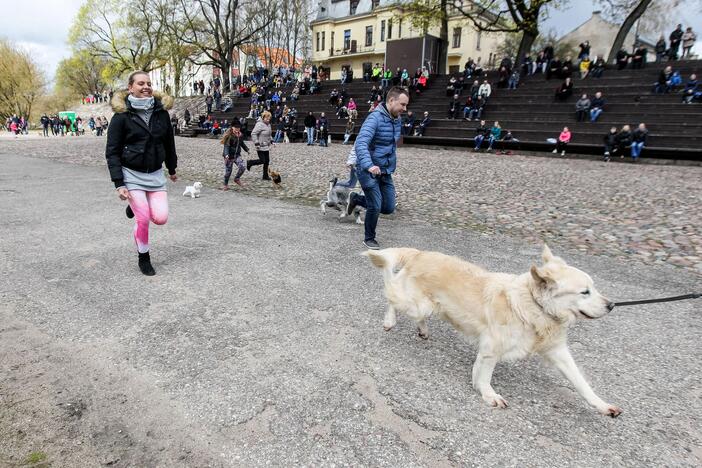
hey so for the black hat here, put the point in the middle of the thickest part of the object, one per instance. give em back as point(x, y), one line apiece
point(236, 124)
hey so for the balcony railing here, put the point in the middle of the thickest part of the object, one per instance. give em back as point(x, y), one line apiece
point(351, 51)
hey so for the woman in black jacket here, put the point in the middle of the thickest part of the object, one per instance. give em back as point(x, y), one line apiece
point(139, 141)
point(610, 140)
point(621, 141)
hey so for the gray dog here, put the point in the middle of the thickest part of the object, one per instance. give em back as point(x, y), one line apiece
point(338, 198)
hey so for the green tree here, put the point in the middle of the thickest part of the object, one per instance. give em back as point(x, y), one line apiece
point(22, 82)
point(82, 74)
point(126, 32)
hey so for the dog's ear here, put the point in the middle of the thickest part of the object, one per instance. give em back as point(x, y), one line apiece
point(541, 275)
point(547, 255)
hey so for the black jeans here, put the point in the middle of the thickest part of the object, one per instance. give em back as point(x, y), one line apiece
point(263, 158)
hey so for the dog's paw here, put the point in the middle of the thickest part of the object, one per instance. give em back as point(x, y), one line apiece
point(495, 400)
point(610, 410)
point(423, 335)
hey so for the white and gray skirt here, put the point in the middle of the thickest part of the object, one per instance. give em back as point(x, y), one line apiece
point(146, 181)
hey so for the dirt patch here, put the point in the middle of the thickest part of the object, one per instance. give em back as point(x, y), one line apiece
point(59, 409)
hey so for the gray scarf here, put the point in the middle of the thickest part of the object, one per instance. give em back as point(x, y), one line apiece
point(144, 107)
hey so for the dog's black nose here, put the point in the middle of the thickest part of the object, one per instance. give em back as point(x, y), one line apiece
point(610, 306)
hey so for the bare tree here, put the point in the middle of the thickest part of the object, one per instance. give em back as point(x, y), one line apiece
point(216, 28)
point(509, 16)
point(177, 53)
point(626, 26)
point(506, 16)
point(649, 16)
point(284, 29)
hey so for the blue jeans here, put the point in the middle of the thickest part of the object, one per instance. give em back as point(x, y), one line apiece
point(278, 136)
point(636, 148)
point(353, 179)
point(310, 135)
point(491, 140)
point(595, 114)
point(378, 197)
point(479, 140)
point(475, 113)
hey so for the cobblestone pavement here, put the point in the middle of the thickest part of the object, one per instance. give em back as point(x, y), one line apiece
point(649, 213)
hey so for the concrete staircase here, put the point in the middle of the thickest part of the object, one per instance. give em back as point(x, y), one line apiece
point(531, 113)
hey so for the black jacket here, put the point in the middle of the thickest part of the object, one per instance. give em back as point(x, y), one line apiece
point(131, 144)
point(623, 138)
point(597, 102)
point(610, 139)
point(310, 121)
point(233, 147)
point(639, 135)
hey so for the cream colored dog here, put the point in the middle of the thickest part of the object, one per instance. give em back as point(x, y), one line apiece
point(509, 316)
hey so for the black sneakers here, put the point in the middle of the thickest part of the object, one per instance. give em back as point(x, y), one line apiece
point(145, 264)
point(130, 213)
point(372, 244)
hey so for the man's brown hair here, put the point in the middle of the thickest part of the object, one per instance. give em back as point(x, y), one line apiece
point(395, 93)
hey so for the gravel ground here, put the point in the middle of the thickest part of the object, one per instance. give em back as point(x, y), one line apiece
point(260, 341)
point(649, 213)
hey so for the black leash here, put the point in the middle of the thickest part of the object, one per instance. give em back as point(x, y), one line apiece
point(662, 299)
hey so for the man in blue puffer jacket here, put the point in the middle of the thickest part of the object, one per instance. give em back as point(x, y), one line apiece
point(376, 153)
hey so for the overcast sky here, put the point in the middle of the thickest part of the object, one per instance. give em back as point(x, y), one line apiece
point(41, 26)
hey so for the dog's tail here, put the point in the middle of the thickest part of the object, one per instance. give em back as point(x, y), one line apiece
point(391, 261)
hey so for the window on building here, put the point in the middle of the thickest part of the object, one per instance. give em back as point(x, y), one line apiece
point(323, 33)
point(382, 30)
point(369, 36)
point(477, 41)
point(353, 5)
point(399, 29)
point(347, 39)
point(456, 38)
point(317, 48)
point(390, 29)
point(374, 4)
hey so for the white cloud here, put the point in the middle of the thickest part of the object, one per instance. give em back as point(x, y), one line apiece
point(41, 27)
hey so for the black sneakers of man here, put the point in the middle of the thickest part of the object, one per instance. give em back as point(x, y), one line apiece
point(372, 244)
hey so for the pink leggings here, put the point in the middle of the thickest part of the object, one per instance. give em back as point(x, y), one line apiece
point(147, 207)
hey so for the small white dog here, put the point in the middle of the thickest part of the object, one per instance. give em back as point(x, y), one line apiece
point(193, 190)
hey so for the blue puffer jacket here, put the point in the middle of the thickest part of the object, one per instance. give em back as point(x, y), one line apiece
point(376, 143)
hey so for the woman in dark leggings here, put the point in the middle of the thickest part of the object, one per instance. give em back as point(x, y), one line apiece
point(261, 137)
